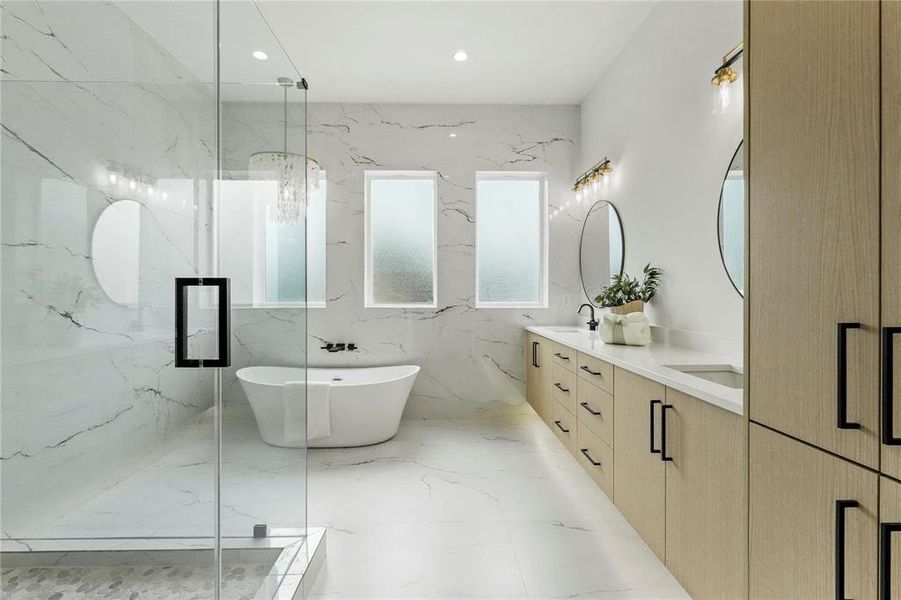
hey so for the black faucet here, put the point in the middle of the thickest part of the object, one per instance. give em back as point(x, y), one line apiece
point(340, 347)
point(592, 324)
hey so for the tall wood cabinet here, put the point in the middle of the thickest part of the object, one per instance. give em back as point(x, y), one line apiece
point(891, 235)
point(824, 305)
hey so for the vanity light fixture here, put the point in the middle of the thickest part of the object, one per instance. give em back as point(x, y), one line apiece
point(725, 74)
point(460, 55)
point(591, 180)
point(259, 55)
point(723, 78)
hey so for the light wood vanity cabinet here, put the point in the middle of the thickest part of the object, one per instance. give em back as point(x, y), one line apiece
point(890, 538)
point(691, 509)
point(539, 367)
point(706, 491)
point(639, 475)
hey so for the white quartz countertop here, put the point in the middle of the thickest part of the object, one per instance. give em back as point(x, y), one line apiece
point(649, 361)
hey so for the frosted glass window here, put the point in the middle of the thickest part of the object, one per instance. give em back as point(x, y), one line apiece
point(270, 263)
point(511, 232)
point(400, 239)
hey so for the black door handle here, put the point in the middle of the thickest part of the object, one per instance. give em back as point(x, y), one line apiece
point(587, 370)
point(181, 322)
point(888, 383)
point(588, 408)
point(663, 455)
point(561, 388)
point(560, 356)
point(535, 354)
point(840, 507)
point(651, 435)
point(588, 456)
point(564, 430)
point(841, 382)
point(885, 558)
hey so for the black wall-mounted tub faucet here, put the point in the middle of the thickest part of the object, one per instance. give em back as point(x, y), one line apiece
point(592, 324)
point(339, 347)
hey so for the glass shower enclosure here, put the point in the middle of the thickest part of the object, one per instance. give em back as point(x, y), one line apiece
point(129, 458)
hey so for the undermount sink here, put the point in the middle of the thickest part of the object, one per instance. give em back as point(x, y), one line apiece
point(557, 329)
point(722, 374)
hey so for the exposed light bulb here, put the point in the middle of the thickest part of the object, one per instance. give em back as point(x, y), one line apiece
point(259, 55)
point(112, 178)
point(460, 55)
point(149, 190)
point(453, 135)
point(132, 185)
point(579, 195)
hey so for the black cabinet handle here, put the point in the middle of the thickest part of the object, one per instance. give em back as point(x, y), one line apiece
point(885, 558)
point(888, 382)
point(588, 408)
point(588, 456)
point(535, 355)
point(561, 388)
point(223, 320)
point(841, 382)
point(663, 455)
point(564, 430)
point(560, 356)
point(587, 370)
point(651, 435)
point(840, 507)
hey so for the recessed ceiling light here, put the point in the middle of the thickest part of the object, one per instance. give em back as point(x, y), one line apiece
point(452, 135)
point(460, 55)
point(259, 55)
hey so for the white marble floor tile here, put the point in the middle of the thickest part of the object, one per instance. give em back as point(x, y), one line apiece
point(402, 515)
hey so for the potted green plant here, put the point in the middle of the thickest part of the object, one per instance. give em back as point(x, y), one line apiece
point(626, 294)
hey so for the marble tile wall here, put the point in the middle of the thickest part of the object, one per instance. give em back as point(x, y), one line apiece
point(89, 392)
point(472, 361)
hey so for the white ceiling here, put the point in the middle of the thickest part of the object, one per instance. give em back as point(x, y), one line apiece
point(520, 52)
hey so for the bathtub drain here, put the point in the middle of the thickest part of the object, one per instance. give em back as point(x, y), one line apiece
point(337, 379)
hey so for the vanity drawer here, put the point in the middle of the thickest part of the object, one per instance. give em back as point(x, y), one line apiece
point(595, 410)
point(563, 424)
point(563, 388)
point(596, 458)
point(596, 371)
point(564, 356)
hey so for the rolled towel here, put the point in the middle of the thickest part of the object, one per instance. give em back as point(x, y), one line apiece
point(632, 329)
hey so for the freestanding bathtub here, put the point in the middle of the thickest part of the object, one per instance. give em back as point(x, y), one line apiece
point(365, 404)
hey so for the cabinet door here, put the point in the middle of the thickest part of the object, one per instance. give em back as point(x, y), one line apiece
point(795, 530)
point(706, 508)
point(814, 220)
point(638, 474)
point(890, 539)
point(538, 373)
point(891, 233)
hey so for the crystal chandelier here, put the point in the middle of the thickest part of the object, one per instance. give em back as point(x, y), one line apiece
point(287, 170)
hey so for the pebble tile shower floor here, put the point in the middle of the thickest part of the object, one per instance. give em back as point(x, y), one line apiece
point(135, 582)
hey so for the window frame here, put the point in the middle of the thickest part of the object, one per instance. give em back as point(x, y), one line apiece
point(383, 175)
point(543, 283)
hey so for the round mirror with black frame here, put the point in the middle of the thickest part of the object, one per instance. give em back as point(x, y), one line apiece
point(730, 220)
point(601, 249)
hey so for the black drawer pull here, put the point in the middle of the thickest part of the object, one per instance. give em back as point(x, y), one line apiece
point(885, 558)
point(596, 463)
point(888, 382)
point(587, 370)
point(561, 388)
point(535, 355)
point(564, 430)
point(560, 356)
point(840, 507)
point(588, 408)
point(841, 382)
point(663, 455)
point(651, 436)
